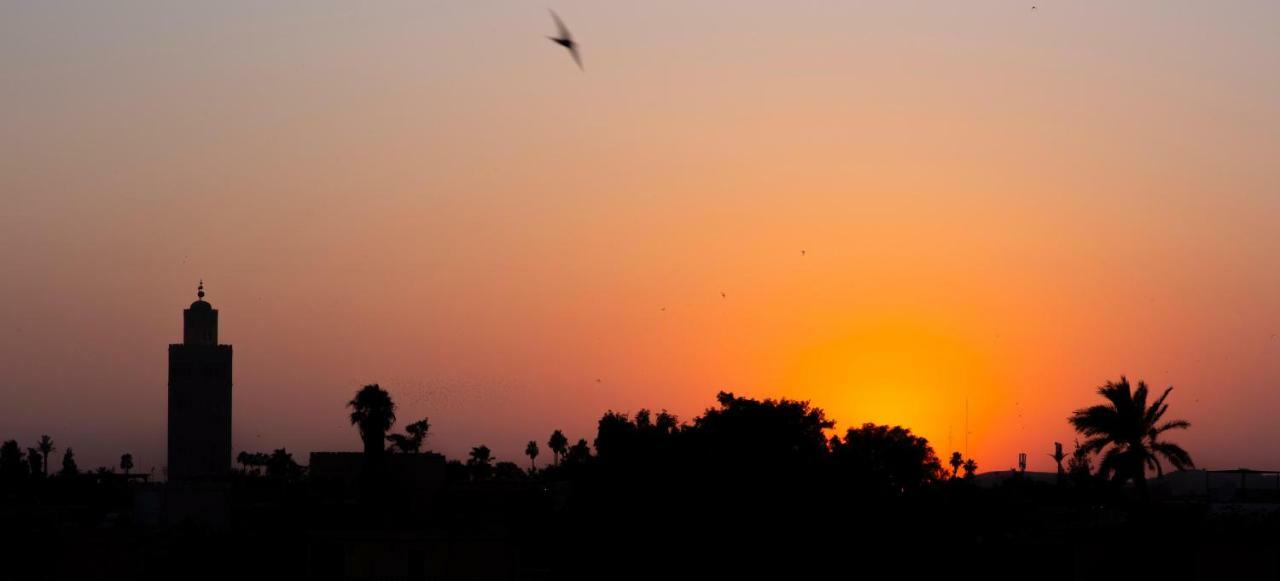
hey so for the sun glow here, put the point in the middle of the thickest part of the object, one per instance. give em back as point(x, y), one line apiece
point(902, 370)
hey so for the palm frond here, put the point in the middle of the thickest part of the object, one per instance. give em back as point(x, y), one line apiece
point(1177, 457)
point(1172, 425)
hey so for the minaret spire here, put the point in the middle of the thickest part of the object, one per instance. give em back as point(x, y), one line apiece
point(200, 290)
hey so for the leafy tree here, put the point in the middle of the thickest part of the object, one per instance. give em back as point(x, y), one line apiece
point(508, 472)
point(1127, 432)
point(579, 452)
point(890, 459)
point(126, 463)
point(956, 462)
point(12, 466)
point(281, 466)
point(635, 446)
point(373, 413)
point(69, 468)
point(531, 450)
point(558, 445)
point(411, 441)
point(46, 447)
point(770, 435)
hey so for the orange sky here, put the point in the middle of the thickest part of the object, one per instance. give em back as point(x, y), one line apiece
point(995, 206)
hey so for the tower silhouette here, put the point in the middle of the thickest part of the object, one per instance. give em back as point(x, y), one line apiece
point(199, 398)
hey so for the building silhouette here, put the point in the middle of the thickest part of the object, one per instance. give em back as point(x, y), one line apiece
point(199, 398)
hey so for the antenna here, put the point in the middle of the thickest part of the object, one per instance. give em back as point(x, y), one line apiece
point(966, 427)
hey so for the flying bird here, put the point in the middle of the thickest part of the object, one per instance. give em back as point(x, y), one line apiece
point(566, 40)
point(722, 295)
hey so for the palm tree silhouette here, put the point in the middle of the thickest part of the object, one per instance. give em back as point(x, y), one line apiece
point(970, 468)
point(558, 444)
point(373, 413)
point(956, 462)
point(531, 450)
point(126, 463)
point(46, 447)
point(1129, 431)
point(410, 442)
point(480, 462)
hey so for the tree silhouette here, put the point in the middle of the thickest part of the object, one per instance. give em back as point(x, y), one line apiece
point(410, 442)
point(244, 459)
point(970, 469)
point(12, 467)
point(281, 466)
point(69, 468)
point(531, 450)
point(46, 447)
point(1126, 431)
point(956, 462)
point(890, 459)
point(33, 460)
point(480, 462)
point(126, 463)
point(508, 472)
point(558, 445)
point(373, 413)
point(768, 435)
point(579, 453)
point(1080, 466)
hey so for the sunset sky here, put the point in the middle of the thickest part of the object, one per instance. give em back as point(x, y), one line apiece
point(994, 204)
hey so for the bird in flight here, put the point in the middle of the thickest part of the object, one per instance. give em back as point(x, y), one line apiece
point(566, 40)
point(722, 295)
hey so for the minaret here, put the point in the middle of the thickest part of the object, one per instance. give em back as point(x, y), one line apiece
point(199, 398)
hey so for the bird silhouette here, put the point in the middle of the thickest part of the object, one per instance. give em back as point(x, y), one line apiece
point(566, 40)
point(722, 295)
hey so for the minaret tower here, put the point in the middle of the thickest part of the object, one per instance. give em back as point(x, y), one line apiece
point(199, 398)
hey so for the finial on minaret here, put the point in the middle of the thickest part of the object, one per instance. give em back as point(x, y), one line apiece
point(200, 290)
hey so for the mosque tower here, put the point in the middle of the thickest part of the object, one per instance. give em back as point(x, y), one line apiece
point(199, 398)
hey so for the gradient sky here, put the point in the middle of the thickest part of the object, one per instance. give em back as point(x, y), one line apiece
point(996, 205)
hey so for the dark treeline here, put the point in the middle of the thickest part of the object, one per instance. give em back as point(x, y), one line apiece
point(759, 487)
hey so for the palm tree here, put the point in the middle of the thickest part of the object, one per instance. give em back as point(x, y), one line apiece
point(410, 442)
point(46, 447)
point(956, 462)
point(1129, 431)
point(373, 413)
point(531, 450)
point(480, 462)
point(126, 463)
point(970, 468)
point(558, 445)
